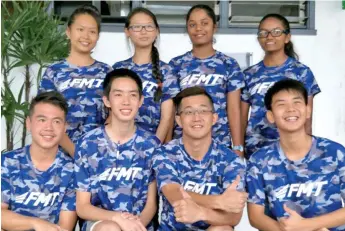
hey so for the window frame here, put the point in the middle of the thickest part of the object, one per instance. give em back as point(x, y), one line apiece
point(223, 27)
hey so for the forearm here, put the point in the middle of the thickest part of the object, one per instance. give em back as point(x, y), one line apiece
point(67, 220)
point(234, 116)
point(67, 144)
point(330, 220)
point(220, 218)
point(207, 201)
point(93, 213)
point(148, 213)
point(14, 221)
point(244, 118)
point(163, 129)
point(264, 223)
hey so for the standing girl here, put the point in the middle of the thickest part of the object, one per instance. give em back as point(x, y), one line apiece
point(157, 113)
point(79, 77)
point(280, 62)
point(219, 74)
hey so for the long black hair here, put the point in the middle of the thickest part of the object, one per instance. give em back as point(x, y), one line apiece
point(288, 48)
point(156, 72)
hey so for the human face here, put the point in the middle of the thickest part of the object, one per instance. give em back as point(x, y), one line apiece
point(270, 43)
point(148, 33)
point(124, 99)
point(83, 34)
point(289, 111)
point(47, 125)
point(196, 117)
point(200, 28)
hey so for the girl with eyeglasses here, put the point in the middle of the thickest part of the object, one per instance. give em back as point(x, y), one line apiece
point(159, 85)
point(280, 62)
point(79, 77)
point(218, 73)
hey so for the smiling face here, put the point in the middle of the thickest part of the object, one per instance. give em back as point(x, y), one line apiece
point(142, 37)
point(47, 125)
point(124, 99)
point(83, 33)
point(200, 27)
point(196, 117)
point(270, 43)
point(289, 111)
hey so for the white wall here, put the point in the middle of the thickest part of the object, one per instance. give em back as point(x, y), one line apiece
point(323, 53)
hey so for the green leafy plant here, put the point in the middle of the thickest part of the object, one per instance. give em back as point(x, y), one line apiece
point(30, 35)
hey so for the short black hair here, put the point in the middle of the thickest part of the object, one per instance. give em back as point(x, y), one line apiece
point(190, 91)
point(50, 97)
point(285, 85)
point(121, 73)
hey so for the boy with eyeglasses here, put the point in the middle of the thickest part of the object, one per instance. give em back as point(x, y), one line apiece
point(301, 176)
point(200, 180)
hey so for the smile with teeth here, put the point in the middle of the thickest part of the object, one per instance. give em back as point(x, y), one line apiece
point(197, 126)
point(126, 111)
point(291, 118)
point(85, 43)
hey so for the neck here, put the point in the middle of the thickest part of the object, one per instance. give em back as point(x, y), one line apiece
point(142, 55)
point(295, 145)
point(119, 131)
point(42, 158)
point(80, 59)
point(274, 59)
point(203, 51)
point(197, 148)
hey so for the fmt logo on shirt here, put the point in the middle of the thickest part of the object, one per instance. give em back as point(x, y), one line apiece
point(261, 88)
point(38, 197)
point(198, 79)
point(119, 173)
point(80, 83)
point(308, 189)
point(199, 188)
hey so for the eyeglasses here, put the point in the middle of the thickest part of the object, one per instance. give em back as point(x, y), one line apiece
point(275, 33)
point(200, 111)
point(138, 28)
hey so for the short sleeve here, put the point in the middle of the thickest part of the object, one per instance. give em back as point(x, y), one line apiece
point(81, 167)
point(309, 81)
point(232, 170)
point(235, 76)
point(245, 93)
point(170, 83)
point(255, 183)
point(5, 182)
point(341, 159)
point(47, 81)
point(69, 200)
point(165, 169)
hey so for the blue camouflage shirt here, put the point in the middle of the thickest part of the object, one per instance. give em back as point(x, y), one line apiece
point(259, 79)
point(117, 176)
point(219, 75)
point(312, 186)
point(31, 192)
point(210, 176)
point(149, 113)
point(82, 88)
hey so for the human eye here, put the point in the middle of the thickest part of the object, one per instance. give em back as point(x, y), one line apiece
point(188, 112)
point(276, 32)
point(191, 25)
point(262, 34)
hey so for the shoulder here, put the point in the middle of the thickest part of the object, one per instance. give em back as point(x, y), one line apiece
point(253, 69)
point(91, 135)
point(297, 65)
point(264, 154)
point(13, 158)
point(225, 58)
point(102, 65)
point(123, 63)
point(225, 153)
point(329, 145)
point(179, 59)
point(146, 138)
point(66, 160)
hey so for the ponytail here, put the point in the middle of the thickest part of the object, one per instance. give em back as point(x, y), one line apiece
point(156, 73)
point(289, 50)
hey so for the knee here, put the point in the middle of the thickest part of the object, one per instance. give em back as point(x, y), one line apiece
point(106, 226)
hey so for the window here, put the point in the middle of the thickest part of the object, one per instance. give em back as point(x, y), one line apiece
point(232, 16)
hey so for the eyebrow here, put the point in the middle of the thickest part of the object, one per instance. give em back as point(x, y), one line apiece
point(93, 27)
point(54, 118)
point(119, 90)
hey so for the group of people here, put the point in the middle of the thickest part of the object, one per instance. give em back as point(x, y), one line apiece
point(108, 142)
